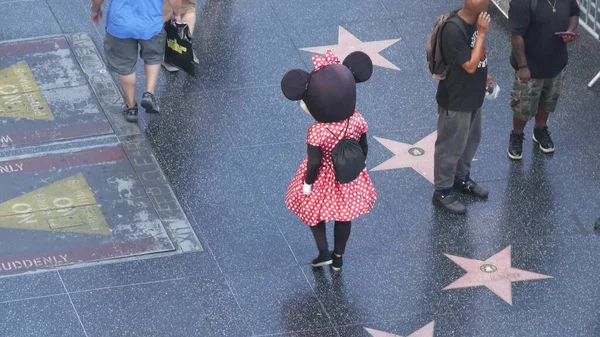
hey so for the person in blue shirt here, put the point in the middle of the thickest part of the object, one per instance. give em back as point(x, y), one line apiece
point(133, 25)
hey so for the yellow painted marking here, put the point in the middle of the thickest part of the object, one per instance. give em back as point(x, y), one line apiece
point(20, 95)
point(67, 205)
point(172, 43)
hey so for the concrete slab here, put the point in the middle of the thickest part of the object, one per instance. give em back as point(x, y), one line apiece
point(56, 89)
point(70, 208)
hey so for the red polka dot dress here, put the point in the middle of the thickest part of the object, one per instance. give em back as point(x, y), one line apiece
point(329, 200)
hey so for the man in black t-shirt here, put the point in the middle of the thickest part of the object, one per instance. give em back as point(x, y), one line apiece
point(460, 97)
point(539, 57)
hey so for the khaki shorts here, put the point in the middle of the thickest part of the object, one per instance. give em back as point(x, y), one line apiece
point(186, 6)
point(526, 98)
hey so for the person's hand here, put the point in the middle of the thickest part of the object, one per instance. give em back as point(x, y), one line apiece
point(568, 39)
point(490, 78)
point(175, 18)
point(524, 74)
point(483, 23)
point(306, 188)
point(97, 16)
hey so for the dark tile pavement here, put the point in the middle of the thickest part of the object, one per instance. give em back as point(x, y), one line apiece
point(229, 143)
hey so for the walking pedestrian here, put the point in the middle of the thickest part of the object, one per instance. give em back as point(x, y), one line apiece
point(132, 26)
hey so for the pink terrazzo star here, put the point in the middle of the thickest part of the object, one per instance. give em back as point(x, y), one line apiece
point(426, 331)
point(418, 156)
point(494, 273)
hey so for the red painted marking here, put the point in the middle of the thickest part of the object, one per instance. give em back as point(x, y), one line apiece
point(85, 157)
point(22, 48)
point(82, 255)
point(63, 132)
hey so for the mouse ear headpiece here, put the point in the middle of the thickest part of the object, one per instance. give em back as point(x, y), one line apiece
point(360, 64)
point(294, 84)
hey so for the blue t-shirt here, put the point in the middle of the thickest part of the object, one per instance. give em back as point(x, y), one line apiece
point(134, 19)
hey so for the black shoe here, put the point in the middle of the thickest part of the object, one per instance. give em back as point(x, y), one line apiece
point(448, 201)
point(515, 145)
point(149, 103)
point(323, 259)
point(337, 262)
point(130, 113)
point(541, 136)
point(470, 187)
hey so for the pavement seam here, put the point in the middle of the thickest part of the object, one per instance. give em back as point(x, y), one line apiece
point(72, 304)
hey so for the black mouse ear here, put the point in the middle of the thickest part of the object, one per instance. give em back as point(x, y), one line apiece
point(360, 64)
point(294, 84)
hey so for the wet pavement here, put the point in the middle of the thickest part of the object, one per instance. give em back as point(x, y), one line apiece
point(177, 227)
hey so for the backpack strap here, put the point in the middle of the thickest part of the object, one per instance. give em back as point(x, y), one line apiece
point(456, 20)
point(460, 25)
point(344, 136)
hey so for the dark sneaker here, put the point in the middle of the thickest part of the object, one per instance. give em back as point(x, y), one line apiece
point(515, 145)
point(323, 259)
point(542, 137)
point(149, 103)
point(337, 262)
point(130, 113)
point(448, 201)
point(470, 187)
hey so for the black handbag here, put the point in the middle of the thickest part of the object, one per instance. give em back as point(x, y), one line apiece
point(179, 51)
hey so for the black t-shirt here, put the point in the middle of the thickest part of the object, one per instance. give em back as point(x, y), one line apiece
point(461, 91)
point(546, 53)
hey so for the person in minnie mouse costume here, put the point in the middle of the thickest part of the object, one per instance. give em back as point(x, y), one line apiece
point(332, 183)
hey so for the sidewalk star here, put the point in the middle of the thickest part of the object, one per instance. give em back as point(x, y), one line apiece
point(426, 331)
point(495, 273)
point(348, 43)
point(418, 156)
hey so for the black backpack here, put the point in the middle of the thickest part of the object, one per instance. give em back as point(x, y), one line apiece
point(435, 60)
point(348, 158)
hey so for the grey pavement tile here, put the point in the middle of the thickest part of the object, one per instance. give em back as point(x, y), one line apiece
point(298, 17)
point(261, 116)
point(535, 323)
point(200, 178)
point(189, 307)
point(241, 44)
point(243, 237)
point(379, 291)
point(27, 286)
point(25, 19)
point(73, 16)
point(188, 122)
point(278, 300)
point(139, 271)
point(41, 317)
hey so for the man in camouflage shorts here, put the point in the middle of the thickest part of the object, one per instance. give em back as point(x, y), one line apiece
point(539, 57)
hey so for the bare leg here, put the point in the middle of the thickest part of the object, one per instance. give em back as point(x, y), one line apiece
point(519, 125)
point(128, 85)
point(541, 118)
point(152, 72)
